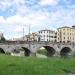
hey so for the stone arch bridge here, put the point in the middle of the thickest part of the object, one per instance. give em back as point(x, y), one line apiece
point(53, 49)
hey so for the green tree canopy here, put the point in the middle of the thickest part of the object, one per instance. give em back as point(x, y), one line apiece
point(2, 39)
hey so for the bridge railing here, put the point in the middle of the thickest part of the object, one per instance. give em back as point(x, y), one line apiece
point(34, 42)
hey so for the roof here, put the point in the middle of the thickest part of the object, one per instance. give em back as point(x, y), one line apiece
point(46, 30)
point(73, 26)
point(64, 27)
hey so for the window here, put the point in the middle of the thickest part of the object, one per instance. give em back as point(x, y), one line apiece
point(67, 33)
point(63, 41)
point(52, 32)
point(63, 29)
point(58, 38)
point(51, 36)
point(68, 37)
point(55, 36)
point(63, 33)
point(58, 34)
point(64, 37)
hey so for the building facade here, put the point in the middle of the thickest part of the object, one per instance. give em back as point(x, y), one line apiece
point(32, 37)
point(47, 35)
point(66, 34)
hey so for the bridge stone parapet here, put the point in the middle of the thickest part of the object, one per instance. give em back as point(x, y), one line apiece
point(56, 48)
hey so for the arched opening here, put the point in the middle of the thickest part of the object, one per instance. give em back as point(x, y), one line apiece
point(26, 51)
point(16, 50)
point(2, 51)
point(47, 51)
point(50, 50)
point(22, 51)
point(66, 51)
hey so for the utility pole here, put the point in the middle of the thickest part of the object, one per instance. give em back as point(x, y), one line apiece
point(29, 36)
point(23, 34)
point(49, 35)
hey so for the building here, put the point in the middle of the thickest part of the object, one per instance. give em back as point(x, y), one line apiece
point(47, 35)
point(66, 34)
point(32, 37)
point(73, 26)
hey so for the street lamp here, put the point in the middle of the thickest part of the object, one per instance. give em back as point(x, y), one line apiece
point(23, 34)
point(49, 35)
point(29, 36)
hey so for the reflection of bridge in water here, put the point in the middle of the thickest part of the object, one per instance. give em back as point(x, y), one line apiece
point(53, 49)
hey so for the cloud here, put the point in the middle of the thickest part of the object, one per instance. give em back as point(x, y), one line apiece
point(6, 4)
point(67, 1)
point(49, 2)
point(36, 18)
point(19, 1)
point(18, 29)
point(2, 20)
point(40, 19)
point(16, 37)
point(16, 19)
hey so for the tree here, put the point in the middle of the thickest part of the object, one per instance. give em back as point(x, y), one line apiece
point(2, 39)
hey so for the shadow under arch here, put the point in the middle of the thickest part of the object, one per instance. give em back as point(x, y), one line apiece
point(26, 51)
point(2, 51)
point(65, 51)
point(50, 51)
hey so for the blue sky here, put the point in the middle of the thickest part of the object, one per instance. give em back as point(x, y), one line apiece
point(39, 14)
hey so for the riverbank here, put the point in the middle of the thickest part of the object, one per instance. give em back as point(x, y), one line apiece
point(10, 65)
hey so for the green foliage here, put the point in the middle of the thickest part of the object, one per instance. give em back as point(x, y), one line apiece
point(35, 66)
point(74, 54)
point(42, 51)
point(8, 53)
point(2, 39)
point(17, 50)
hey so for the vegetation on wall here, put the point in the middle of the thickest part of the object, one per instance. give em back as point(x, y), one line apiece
point(42, 51)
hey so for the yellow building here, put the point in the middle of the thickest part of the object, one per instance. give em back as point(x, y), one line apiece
point(66, 34)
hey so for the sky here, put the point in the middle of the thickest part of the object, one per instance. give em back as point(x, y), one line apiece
point(16, 15)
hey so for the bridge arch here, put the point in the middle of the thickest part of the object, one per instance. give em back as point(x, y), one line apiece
point(2, 51)
point(27, 52)
point(50, 51)
point(65, 51)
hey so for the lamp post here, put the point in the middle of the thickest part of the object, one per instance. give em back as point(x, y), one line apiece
point(23, 34)
point(29, 36)
point(49, 35)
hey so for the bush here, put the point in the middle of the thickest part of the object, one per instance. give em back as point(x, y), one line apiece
point(74, 55)
point(42, 51)
point(2, 39)
point(8, 53)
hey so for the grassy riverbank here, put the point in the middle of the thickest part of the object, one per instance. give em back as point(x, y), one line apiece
point(35, 66)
